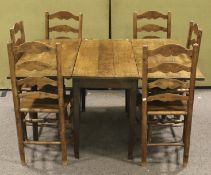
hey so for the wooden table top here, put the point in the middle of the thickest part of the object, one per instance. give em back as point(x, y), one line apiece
point(105, 59)
point(99, 59)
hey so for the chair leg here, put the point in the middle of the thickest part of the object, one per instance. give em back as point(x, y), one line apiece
point(83, 99)
point(144, 140)
point(149, 132)
point(184, 128)
point(187, 134)
point(20, 137)
point(33, 115)
point(23, 115)
point(63, 137)
point(66, 114)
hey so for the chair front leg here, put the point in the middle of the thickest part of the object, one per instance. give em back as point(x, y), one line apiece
point(144, 140)
point(62, 131)
point(187, 134)
point(20, 132)
point(23, 123)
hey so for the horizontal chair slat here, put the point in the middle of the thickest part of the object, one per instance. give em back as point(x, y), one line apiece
point(170, 50)
point(167, 112)
point(41, 120)
point(167, 97)
point(152, 28)
point(50, 125)
point(38, 81)
point(152, 15)
point(42, 142)
point(150, 37)
point(33, 47)
point(169, 67)
point(63, 15)
point(34, 109)
point(168, 83)
point(63, 28)
point(38, 95)
point(167, 125)
point(166, 144)
point(34, 65)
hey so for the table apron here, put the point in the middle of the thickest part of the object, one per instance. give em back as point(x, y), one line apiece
point(105, 83)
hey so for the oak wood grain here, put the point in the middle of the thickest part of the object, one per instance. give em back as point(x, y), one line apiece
point(38, 95)
point(151, 28)
point(137, 45)
point(101, 58)
point(63, 28)
point(151, 15)
point(167, 97)
point(63, 15)
point(105, 58)
point(168, 84)
point(39, 81)
point(44, 63)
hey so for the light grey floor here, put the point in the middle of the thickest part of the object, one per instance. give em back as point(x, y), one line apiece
point(103, 142)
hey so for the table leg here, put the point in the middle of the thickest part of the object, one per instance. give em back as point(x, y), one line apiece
point(132, 113)
point(126, 100)
point(83, 100)
point(76, 117)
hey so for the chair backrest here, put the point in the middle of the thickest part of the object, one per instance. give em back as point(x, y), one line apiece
point(17, 29)
point(170, 89)
point(151, 27)
point(63, 15)
point(194, 35)
point(37, 83)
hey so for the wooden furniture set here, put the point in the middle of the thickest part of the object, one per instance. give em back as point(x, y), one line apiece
point(168, 72)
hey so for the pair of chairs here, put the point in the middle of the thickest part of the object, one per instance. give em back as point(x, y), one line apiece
point(163, 98)
point(33, 95)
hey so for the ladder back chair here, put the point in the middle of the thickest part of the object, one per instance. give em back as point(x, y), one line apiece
point(17, 36)
point(63, 15)
point(39, 100)
point(18, 29)
point(194, 35)
point(174, 97)
point(64, 29)
point(151, 27)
